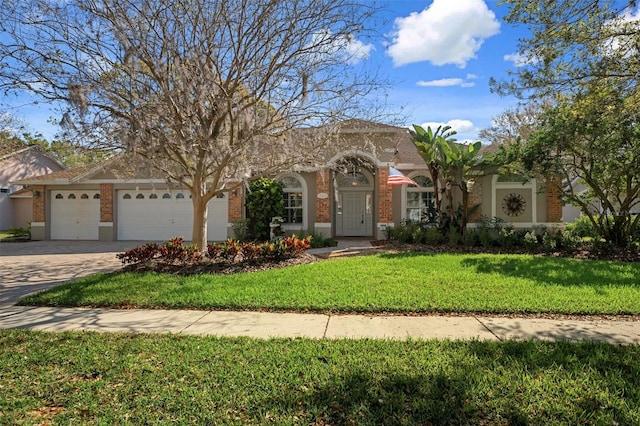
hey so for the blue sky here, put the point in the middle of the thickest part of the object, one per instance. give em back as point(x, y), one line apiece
point(442, 53)
point(439, 54)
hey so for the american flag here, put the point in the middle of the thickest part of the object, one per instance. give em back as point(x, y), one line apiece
point(397, 178)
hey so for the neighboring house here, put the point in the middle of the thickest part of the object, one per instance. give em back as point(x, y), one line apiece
point(18, 162)
point(348, 197)
point(570, 212)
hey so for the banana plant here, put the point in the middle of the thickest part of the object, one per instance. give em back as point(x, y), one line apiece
point(450, 165)
point(431, 147)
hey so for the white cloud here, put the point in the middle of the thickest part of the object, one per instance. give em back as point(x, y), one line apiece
point(460, 126)
point(446, 32)
point(357, 50)
point(348, 49)
point(520, 60)
point(627, 22)
point(448, 82)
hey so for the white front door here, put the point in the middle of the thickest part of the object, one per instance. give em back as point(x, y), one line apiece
point(356, 214)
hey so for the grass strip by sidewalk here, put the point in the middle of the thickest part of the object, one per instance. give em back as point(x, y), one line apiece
point(416, 282)
point(92, 378)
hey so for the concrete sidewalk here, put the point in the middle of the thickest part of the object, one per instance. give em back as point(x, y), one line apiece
point(317, 326)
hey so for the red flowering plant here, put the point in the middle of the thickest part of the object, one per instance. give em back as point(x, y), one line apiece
point(295, 246)
point(141, 254)
point(175, 250)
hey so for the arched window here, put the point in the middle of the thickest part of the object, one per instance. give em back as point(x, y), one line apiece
point(140, 197)
point(166, 196)
point(59, 196)
point(126, 197)
point(353, 179)
point(293, 201)
point(179, 195)
point(84, 197)
point(96, 196)
point(71, 196)
point(420, 201)
point(153, 196)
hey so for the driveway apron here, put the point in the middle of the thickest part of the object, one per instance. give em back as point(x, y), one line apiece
point(29, 267)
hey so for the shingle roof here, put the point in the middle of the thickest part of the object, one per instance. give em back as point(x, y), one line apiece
point(388, 144)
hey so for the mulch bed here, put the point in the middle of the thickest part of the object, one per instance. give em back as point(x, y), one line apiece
point(207, 266)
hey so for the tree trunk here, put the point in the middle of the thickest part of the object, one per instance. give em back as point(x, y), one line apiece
point(199, 232)
point(465, 207)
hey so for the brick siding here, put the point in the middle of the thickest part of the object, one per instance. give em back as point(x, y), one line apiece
point(106, 202)
point(235, 205)
point(323, 207)
point(38, 203)
point(385, 197)
point(554, 203)
point(475, 197)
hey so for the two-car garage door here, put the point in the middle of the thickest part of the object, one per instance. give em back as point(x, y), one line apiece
point(141, 215)
point(159, 215)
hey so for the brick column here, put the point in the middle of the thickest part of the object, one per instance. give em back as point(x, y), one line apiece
point(235, 204)
point(554, 203)
point(106, 202)
point(38, 206)
point(323, 205)
point(475, 197)
point(385, 197)
point(38, 203)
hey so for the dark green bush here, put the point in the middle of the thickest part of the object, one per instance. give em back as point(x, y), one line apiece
point(264, 200)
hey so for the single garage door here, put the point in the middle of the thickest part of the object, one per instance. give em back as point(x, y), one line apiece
point(75, 215)
point(159, 215)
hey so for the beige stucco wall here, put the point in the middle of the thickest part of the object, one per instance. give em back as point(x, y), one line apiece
point(22, 211)
point(525, 191)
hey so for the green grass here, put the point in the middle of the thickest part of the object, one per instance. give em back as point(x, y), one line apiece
point(416, 282)
point(91, 378)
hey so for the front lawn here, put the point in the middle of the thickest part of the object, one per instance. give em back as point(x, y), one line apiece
point(92, 378)
point(405, 282)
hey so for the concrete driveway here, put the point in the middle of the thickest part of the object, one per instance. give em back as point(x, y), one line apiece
point(33, 266)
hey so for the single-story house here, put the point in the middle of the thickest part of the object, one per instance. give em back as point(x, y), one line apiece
point(18, 161)
point(348, 197)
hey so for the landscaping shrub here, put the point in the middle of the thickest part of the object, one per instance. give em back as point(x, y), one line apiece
point(318, 240)
point(508, 237)
point(18, 232)
point(582, 227)
point(141, 254)
point(531, 241)
point(569, 241)
point(471, 238)
point(454, 237)
point(264, 200)
point(240, 229)
point(433, 236)
point(235, 251)
point(175, 250)
point(230, 251)
point(549, 242)
point(172, 251)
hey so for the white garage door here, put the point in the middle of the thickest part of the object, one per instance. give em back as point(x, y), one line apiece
point(75, 215)
point(159, 215)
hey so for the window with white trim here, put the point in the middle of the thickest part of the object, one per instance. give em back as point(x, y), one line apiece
point(420, 200)
point(292, 194)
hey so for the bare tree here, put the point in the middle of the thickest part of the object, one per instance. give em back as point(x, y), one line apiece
point(513, 124)
point(206, 91)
